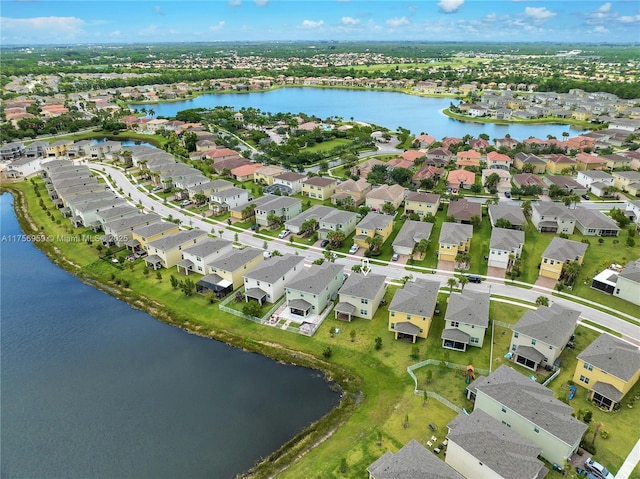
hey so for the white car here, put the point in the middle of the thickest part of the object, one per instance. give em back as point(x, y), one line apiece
point(354, 249)
point(283, 234)
point(186, 203)
point(597, 469)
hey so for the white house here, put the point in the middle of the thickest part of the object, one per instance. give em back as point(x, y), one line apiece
point(291, 180)
point(230, 198)
point(504, 245)
point(595, 181)
point(266, 282)
point(466, 320)
point(196, 258)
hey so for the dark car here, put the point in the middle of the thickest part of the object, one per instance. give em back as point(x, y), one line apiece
point(585, 197)
point(324, 243)
point(474, 278)
point(507, 194)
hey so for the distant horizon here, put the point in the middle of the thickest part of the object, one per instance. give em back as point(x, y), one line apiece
point(98, 22)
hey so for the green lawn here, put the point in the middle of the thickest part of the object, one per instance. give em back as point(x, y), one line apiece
point(534, 245)
point(327, 145)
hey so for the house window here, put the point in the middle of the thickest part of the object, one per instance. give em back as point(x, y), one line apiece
point(364, 301)
point(474, 340)
point(455, 324)
point(421, 330)
point(533, 342)
point(506, 423)
point(588, 367)
point(408, 317)
point(363, 312)
point(393, 314)
point(393, 325)
point(514, 347)
point(515, 335)
point(536, 429)
point(584, 379)
point(504, 409)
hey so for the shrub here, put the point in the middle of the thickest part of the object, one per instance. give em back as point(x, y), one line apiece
point(604, 434)
point(327, 352)
point(378, 344)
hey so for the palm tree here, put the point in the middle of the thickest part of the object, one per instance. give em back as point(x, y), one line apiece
point(571, 271)
point(374, 242)
point(463, 280)
point(336, 238)
point(452, 282)
point(422, 247)
point(526, 207)
point(542, 301)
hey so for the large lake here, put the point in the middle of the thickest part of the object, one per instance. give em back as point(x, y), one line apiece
point(388, 109)
point(92, 388)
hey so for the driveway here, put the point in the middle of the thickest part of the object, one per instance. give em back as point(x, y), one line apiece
point(496, 273)
point(446, 265)
point(546, 282)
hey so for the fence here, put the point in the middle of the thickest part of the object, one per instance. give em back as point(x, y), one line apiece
point(235, 312)
point(552, 377)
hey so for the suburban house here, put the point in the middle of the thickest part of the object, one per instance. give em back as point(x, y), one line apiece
point(351, 192)
point(360, 296)
point(608, 368)
point(615, 162)
point(540, 336)
point(468, 158)
point(560, 252)
point(423, 204)
point(363, 169)
point(530, 409)
point(427, 172)
point(196, 258)
point(454, 238)
point(463, 210)
point(143, 235)
point(291, 180)
point(413, 460)
point(12, 151)
point(244, 171)
point(209, 188)
point(460, 179)
point(338, 220)
point(313, 289)
point(480, 446)
point(226, 272)
point(556, 164)
point(522, 161)
point(627, 181)
point(284, 207)
point(504, 178)
point(632, 211)
point(628, 283)
point(466, 320)
point(228, 198)
point(594, 223)
point(411, 309)
point(498, 160)
point(112, 214)
point(23, 167)
point(529, 179)
point(118, 231)
point(379, 196)
point(505, 246)
point(511, 213)
point(167, 252)
point(266, 282)
point(319, 187)
point(86, 213)
point(586, 161)
point(595, 181)
point(565, 183)
point(316, 212)
point(371, 225)
point(266, 174)
point(550, 217)
point(411, 233)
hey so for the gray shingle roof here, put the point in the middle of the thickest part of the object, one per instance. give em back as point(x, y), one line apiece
point(339, 217)
point(181, 237)
point(413, 461)
point(594, 219)
point(316, 212)
point(109, 215)
point(276, 202)
point(530, 353)
point(315, 279)
point(464, 209)
point(154, 229)
point(532, 401)
point(613, 356)
point(631, 272)
point(549, 208)
point(362, 286)
point(512, 213)
point(469, 307)
point(506, 239)
point(552, 325)
point(374, 221)
point(454, 233)
point(100, 204)
point(607, 390)
point(132, 221)
point(561, 249)
point(235, 259)
point(319, 181)
point(272, 270)
point(206, 247)
point(417, 298)
point(495, 445)
point(412, 232)
point(430, 198)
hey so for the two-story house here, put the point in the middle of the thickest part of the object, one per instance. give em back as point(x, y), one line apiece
point(265, 175)
point(560, 252)
point(511, 213)
point(454, 238)
point(360, 296)
point(319, 187)
point(462, 211)
point(505, 247)
point(565, 183)
point(524, 161)
point(531, 410)
point(284, 207)
point(229, 198)
point(558, 163)
point(167, 252)
point(371, 225)
point(196, 258)
point(628, 181)
point(468, 158)
point(597, 182)
point(540, 336)
point(628, 283)
point(351, 192)
point(608, 369)
point(338, 220)
point(118, 231)
point(316, 212)
point(379, 196)
point(498, 160)
point(226, 272)
point(291, 180)
point(466, 320)
point(143, 235)
point(423, 204)
point(550, 217)
point(266, 282)
point(312, 290)
point(411, 309)
point(411, 233)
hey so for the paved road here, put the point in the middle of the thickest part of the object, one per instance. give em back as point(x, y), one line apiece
point(391, 270)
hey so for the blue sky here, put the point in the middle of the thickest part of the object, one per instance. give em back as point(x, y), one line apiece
point(146, 21)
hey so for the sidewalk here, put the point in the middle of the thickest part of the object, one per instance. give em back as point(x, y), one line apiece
point(630, 462)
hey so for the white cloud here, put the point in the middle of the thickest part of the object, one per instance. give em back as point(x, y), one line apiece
point(234, 3)
point(450, 6)
point(217, 26)
point(600, 29)
point(311, 24)
point(491, 17)
point(539, 13)
point(629, 19)
point(67, 27)
point(261, 3)
point(115, 34)
point(350, 21)
point(605, 7)
point(397, 22)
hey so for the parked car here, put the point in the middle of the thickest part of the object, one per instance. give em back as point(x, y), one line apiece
point(597, 469)
point(507, 194)
point(266, 254)
point(186, 203)
point(354, 249)
point(474, 278)
point(324, 243)
point(585, 197)
point(255, 227)
point(395, 257)
point(156, 188)
point(283, 234)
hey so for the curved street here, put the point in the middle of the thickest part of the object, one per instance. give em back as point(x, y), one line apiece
point(394, 271)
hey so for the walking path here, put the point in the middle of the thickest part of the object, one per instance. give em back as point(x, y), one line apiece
point(630, 463)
